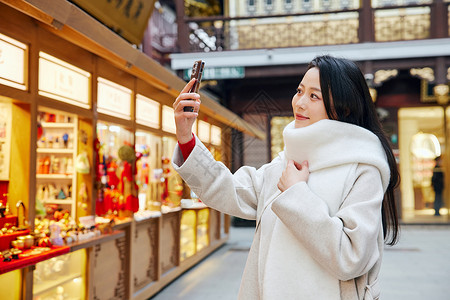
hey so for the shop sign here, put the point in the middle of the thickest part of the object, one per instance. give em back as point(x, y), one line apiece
point(64, 82)
point(147, 111)
point(127, 18)
point(216, 135)
point(218, 73)
point(113, 99)
point(13, 63)
point(204, 130)
point(168, 119)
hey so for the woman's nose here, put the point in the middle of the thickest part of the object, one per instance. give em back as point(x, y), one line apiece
point(301, 102)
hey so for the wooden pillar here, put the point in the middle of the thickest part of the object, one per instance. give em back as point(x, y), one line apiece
point(438, 19)
point(440, 70)
point(366, 31)
point(183, 29)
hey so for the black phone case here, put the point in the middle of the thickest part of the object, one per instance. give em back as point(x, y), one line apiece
point(197, 72)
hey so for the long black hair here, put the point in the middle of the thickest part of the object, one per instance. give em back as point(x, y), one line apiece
point(347, 98)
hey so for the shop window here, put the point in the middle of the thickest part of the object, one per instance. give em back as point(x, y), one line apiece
point(251, 6)
point(62, 277)
point(149, 176)
point(288, 6)
point(173, 187)
point(268, 5)
point(115, 180)
point(421, 140)
point(188, 234)
point(57, 150)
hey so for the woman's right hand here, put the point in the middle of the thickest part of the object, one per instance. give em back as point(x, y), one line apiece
point(293, 174)
point(185, 119)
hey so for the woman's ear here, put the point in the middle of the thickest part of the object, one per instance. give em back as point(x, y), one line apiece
point(347, 112)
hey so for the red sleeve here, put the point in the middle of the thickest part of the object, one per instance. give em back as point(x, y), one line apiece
point(186, 149)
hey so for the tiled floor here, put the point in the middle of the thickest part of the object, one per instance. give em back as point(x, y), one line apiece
point(417, 268)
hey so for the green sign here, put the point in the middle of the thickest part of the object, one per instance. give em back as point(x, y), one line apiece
point(218, 73)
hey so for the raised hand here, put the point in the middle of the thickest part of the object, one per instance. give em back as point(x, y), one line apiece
point(184, 119)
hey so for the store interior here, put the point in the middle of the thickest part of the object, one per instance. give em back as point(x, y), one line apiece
point(422, 138)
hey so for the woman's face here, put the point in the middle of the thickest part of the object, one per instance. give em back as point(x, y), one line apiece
point(307, 102)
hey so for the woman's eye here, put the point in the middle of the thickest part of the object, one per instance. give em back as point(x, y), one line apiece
point(298, 91)
point(314, 96)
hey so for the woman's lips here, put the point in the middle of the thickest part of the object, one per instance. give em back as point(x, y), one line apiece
point(300, 117)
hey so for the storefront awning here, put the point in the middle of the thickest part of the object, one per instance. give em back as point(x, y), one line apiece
point(73, 24)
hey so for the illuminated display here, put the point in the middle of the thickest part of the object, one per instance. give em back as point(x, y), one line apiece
point(13, 62)
point(62, 81)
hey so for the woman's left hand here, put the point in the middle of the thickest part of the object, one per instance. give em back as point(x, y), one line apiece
point(294, 173)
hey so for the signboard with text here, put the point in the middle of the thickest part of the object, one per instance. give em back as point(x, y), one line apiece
point(218, 73)
point(113, 99)
point(13, 62)
point(64, 82)
point(147, 111)
point(168, 120)
point(127, 18)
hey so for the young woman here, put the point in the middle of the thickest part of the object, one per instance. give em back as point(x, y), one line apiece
point(324, 207)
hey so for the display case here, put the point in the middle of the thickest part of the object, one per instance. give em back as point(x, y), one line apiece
point(13, 281)
point(149, 177)
point(173, 184)
point(75, 142)
point(188, 234)
point(194, 231)
point(117, 194)
point(62, 277)
point(202, 229)
point(55, 173)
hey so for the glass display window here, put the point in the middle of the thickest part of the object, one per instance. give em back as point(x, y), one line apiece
point(202, 228)
point(188, 234)
point(61, 277)
point(149, 171)
point(172, 182)
point(116, 170)
point(13, 281)
point(55, 174)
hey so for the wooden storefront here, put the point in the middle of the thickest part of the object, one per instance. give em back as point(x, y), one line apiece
point(66, 67)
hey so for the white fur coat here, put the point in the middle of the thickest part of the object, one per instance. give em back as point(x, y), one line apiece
point(320, 239)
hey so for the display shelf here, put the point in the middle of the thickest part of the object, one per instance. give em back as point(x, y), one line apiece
point(96, 240)
point(67, 201)
point(46, 286)
point(56, 154)
point(33, 259)
point(54, 176)
point(57, 125)
point(55, 150)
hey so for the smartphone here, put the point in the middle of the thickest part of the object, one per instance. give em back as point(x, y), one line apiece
point(197, 72)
